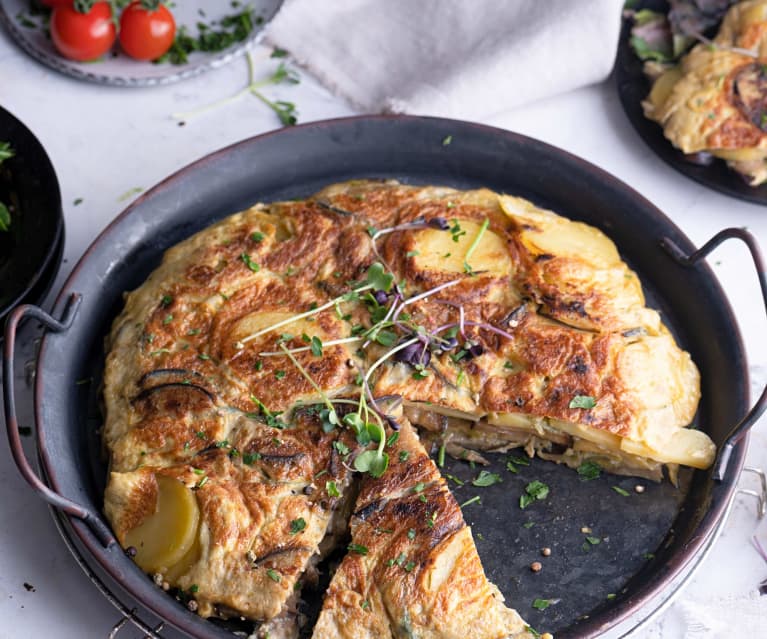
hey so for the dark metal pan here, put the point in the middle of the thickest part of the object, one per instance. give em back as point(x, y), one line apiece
point(646, 539)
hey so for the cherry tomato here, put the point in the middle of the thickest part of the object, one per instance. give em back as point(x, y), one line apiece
point(83, 36)
point(146, 33)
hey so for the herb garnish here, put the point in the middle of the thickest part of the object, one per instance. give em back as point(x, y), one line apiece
point(582, 401)
point(297, 525)
point(620, 491)
point(468, 502)
point(285, 111)
point(6, 152)
point(332, 489)
point(274, 575)
point(542, 604)
point(589, 470)
point(486, 478)
point(358, 548)
point(253, 266)
point(466, 267)
point(534, 491)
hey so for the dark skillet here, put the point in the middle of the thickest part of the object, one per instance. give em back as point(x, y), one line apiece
point(633, 87)
point(30, 251)
point(645, 540)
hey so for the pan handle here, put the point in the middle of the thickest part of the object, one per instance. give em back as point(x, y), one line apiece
point(744, 425)
point(70, 507)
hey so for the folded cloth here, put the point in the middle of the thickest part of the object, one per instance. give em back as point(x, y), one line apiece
point(454, 58)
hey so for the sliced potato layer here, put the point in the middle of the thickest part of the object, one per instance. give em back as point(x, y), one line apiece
point(168, 534)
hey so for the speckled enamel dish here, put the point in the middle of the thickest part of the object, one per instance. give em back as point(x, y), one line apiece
point(647, 538)
point(117, 69)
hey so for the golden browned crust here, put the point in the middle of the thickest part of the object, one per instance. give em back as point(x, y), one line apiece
point(412, 569)
point(196, 380)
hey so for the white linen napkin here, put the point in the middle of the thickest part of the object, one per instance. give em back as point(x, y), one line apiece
point(454, 58)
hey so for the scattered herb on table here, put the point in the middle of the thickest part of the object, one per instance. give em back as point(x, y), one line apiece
point(620, 491)
point(285, 111)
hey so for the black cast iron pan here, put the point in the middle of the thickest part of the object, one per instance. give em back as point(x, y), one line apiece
point(645, 540)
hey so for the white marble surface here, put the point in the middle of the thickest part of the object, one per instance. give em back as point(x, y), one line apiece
point(106, 142)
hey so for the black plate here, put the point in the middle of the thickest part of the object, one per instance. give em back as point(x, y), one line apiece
point(30, 252)
point(633, 87)
point(645, 540)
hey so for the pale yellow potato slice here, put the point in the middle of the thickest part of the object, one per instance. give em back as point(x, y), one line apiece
point(168, 534)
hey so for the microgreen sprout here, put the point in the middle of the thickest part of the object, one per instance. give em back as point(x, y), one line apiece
point(285, 111)
point(332, 416)
point(466, 267)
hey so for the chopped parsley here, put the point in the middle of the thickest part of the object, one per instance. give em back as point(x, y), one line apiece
point(257, 236)
point(274, 575)
point(316, 346)
point(411, 534)
point(279, 374)
point(250, 458)
point(297, 525)
point(582, 401)
point(456, 231)
point(332, 489)
point(457, 481)
point(534, 491)
point(447, 140)
point(403, 455)
point(468, 502)
point(620, 491)
point(253, 266)
point(542, 604)
point(589, 470)
point(358, 548)
point(441, 456)
point(486, 478)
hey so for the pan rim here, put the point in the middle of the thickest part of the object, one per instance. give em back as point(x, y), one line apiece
point(167, 608)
